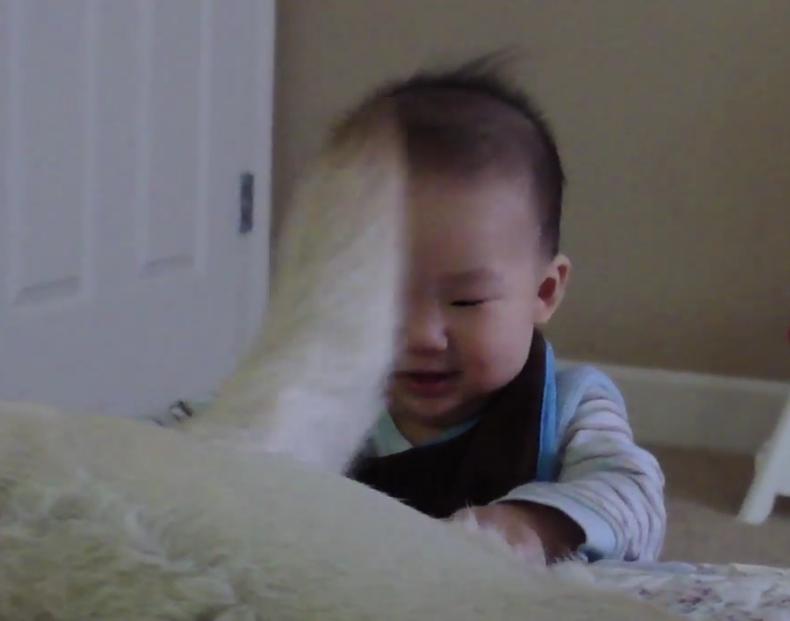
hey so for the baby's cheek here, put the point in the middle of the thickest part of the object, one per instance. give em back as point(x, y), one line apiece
point(491, 367)
point(495, 360)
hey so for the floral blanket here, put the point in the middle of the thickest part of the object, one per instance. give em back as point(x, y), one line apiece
point(716, 592)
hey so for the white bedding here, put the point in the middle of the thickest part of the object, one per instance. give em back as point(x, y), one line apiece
point(717, 592)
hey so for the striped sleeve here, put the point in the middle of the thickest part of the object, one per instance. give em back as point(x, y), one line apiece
point(607, 484)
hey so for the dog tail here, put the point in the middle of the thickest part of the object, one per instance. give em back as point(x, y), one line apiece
point(314, 383)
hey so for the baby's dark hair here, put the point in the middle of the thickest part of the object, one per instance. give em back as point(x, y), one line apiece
point(469, 121)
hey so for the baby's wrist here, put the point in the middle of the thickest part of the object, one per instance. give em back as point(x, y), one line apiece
point(559, 534)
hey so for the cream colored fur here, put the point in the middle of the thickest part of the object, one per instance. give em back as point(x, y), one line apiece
point(118, 520)
point(312, 386)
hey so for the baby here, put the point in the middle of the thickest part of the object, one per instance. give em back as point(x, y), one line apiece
point(480, 423)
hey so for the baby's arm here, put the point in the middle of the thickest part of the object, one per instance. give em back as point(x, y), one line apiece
point(607, 485)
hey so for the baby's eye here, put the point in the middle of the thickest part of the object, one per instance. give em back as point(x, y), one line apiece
point(467, 303)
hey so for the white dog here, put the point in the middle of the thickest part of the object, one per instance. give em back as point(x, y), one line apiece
point(118, 520)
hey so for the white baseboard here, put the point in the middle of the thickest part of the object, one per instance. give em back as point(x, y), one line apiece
point(698, 410)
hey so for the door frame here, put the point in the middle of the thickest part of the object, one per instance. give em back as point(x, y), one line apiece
point(258, 240)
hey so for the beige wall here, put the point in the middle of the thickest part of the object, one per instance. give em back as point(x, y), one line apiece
point(673, 118)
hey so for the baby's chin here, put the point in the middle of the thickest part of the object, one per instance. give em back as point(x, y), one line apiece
point(441, 413)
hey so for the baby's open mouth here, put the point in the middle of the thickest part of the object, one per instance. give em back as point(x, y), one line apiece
point(428, 383)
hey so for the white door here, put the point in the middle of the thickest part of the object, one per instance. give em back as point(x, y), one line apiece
point(125, 127)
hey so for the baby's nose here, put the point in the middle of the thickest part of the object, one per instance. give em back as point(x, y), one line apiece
point(425, 330)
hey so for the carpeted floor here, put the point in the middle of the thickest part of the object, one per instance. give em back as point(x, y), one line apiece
point(704, 493)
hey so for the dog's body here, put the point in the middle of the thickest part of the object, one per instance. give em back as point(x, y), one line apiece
point(119, 520)
point(112, 519)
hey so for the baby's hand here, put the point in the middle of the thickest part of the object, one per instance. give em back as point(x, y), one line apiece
point(530, 528)
point(510, 522)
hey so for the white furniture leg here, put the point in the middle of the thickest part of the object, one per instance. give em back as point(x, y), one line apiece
point(772, 474)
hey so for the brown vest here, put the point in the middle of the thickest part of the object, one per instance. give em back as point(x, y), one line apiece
point(478, 466)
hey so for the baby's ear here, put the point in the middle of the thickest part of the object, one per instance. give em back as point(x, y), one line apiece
point(551, 288)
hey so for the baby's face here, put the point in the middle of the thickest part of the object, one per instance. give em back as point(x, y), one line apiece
point(471, 298)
